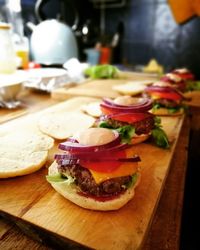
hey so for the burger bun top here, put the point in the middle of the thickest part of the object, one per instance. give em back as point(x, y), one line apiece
point(95, 136)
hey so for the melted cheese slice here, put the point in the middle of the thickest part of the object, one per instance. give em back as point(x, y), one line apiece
point(155, 96)
point(125, 169)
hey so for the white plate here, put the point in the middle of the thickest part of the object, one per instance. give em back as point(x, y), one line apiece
point(10, 79)
point(10, 87)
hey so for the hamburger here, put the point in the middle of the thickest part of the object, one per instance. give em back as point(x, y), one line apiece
point(191, 83)
point(95, 171)
point(132, 119)
point(174, 80)
point(184, 74)
point(166, 100)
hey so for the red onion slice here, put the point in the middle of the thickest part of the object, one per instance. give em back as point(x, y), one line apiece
point(75, 147)
point(73, 161)
point(143, 106)
point(107, 152)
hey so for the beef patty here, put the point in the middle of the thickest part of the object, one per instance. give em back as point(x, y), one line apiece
point(86, 182)
point(141, 127)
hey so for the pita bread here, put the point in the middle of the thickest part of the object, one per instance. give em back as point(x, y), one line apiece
point(132, 88)
point(63, 125)
point(27, 140)
point(13, 168)
point(27, 153)
point(92, 109)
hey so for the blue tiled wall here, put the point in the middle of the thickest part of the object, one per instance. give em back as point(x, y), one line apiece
point(151, 32)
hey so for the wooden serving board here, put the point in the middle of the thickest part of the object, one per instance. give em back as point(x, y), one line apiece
point(31, 199)
point(99, 88)
point(195, 99)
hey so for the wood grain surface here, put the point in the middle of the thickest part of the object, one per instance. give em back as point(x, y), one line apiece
point(30, 198)
point(195, 98)
point(99, 87)
point(103, 88)
point(29, 100)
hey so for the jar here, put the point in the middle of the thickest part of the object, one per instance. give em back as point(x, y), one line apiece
point(7, 52)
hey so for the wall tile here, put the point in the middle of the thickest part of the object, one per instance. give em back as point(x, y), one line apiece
point(165, 27)
point(151, 32)
point(166, 54)
point(137, 53)
point(190, 31)
point(141, 2)
point(138, 22)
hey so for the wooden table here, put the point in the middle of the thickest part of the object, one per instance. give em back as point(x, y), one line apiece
point(165, 229)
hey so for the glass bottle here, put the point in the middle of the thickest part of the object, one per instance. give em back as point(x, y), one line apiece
point(7, 52)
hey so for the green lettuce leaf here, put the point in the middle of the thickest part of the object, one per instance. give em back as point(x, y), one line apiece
point(157, 121)
point(134, 178)
point(102, 71)
point(193, 86)
point(104, 124)
point(59, 178)
point(173, 110)
point(126, 133)
point(160, 137)
point(156, 106)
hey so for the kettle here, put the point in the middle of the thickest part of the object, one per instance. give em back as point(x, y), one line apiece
point(52, 42)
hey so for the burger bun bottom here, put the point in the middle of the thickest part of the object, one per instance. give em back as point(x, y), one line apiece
point(70, 193)
point(165, 112)
point(139, 138)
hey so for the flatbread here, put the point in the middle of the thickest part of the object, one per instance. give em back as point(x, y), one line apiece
point(64, 124)
point(27, 140)
point(132, 88)
point(22, 152)
point(92, 109)
point(13, 168)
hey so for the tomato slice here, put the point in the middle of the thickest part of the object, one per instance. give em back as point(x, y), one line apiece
point(130, 117)
point(107, 111)
point(163, 95)
point(185, 76)
point(104, 166)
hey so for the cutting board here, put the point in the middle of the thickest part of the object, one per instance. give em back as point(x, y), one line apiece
point(195, 98)
point(104, 88)
point(100, 87)
point(31, 199)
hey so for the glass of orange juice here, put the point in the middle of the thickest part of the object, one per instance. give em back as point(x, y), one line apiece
point(22, 52)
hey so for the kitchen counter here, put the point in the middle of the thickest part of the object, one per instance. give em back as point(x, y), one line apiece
point(164, 232)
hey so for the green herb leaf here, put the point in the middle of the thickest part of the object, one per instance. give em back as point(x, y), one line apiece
point(160, 137)
point(126, 133)
point(102, 71)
